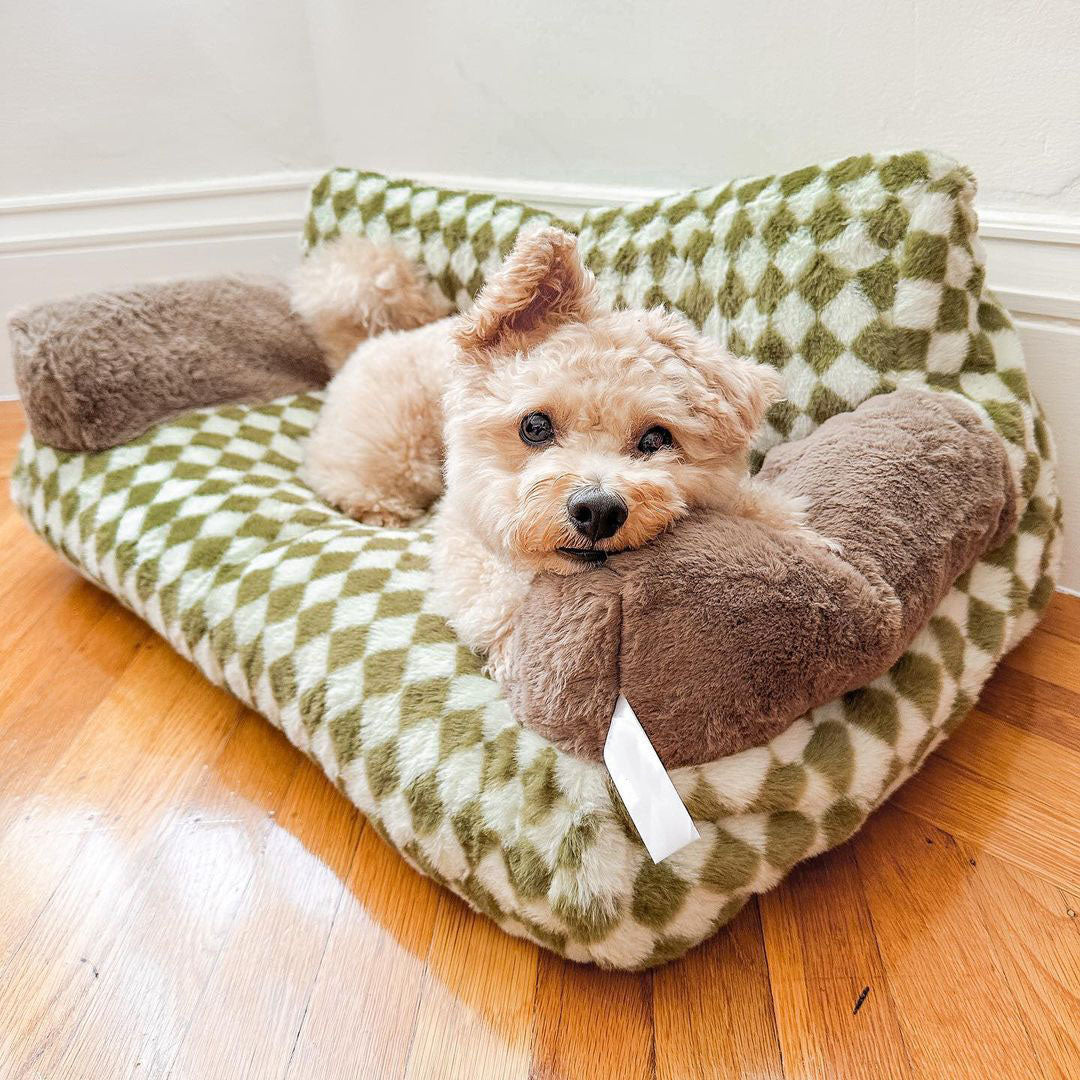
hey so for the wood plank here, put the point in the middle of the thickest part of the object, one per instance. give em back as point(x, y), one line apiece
point(378, 948)
point(126, 762)
point(30, 573)
point(1033, 704)
point(12, 426)
point(152, 981)
point(12, 423)
point(835, 1012)
point(1020, 761)
point(270, 962)
point(59, 633)
point(479, 983)
point(956, 1010)
point(42, 710)
point(592, 1023)
point(1055, 659)
point(1039, 947)
point(1019, 830)
point(1062, 617)
point(97, 854)
point(1006, 791)
point(713, 1010)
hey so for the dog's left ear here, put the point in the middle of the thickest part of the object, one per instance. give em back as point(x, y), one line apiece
point(541, 286)
point(745, 392)
point(732, 394)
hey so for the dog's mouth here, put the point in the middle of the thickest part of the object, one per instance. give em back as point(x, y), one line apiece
point(587, 555)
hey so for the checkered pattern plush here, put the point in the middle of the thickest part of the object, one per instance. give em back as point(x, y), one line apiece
point(852, 279)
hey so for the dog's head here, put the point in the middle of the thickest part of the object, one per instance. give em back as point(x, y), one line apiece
point(573, 432)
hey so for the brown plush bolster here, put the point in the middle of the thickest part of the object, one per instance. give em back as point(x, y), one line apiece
point(95, 371)
point(723, 632)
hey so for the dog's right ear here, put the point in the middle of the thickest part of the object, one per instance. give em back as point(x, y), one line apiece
point(541, 286)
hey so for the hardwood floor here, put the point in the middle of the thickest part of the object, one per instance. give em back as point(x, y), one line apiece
point(183, 894)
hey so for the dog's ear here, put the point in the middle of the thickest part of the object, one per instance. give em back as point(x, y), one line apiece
point(733, 394)
point(541, 285)
point(745, 392)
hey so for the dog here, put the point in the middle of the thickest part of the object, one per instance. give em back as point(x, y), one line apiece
point(557, 433)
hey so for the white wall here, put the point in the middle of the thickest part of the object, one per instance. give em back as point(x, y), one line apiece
point(116, 93)
point(144, 137)
point(666, 94)
point(657, 94)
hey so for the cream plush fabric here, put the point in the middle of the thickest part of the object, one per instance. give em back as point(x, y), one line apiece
point(852, 278)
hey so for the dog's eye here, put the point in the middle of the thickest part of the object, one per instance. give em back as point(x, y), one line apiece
point(537, 429)
point(656, 438)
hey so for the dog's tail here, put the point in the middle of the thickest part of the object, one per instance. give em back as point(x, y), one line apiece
point(353, 288)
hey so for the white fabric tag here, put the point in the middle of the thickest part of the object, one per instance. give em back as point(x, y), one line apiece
point(643, 784)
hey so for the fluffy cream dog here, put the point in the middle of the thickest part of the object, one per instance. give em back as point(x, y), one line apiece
point(561, 433)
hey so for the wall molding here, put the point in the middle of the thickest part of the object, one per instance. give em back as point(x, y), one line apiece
point(1033, 257)
point(268, 205)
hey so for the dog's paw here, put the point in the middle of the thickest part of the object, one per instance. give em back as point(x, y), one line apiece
point(371, 509)
point(384, 518)
point(787, 513)
point(816, 539)
point(364, 504)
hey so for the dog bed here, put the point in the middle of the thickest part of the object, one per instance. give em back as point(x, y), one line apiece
point(854, 279)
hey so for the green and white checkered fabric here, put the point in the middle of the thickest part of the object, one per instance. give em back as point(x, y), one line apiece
point(852, 278)
point(460, 237)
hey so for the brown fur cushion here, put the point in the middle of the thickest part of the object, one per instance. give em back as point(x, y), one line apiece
point(722, 632)
point(97, 370)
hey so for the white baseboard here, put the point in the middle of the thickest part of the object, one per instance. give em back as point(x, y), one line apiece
point(58, 244)
point(153, 214)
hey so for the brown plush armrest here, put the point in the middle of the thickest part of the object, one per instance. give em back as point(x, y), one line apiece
point(723, 632)
point(97, 370)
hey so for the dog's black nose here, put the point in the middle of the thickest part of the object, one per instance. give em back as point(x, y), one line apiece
point(596, 513)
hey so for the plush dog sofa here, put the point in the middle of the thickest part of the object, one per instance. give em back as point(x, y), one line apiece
point(853, 279)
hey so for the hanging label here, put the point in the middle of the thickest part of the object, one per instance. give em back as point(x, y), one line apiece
point(644, 786)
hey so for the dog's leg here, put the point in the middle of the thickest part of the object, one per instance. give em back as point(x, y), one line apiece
point(477, 589)
point(376, 451)
point(779, 510)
